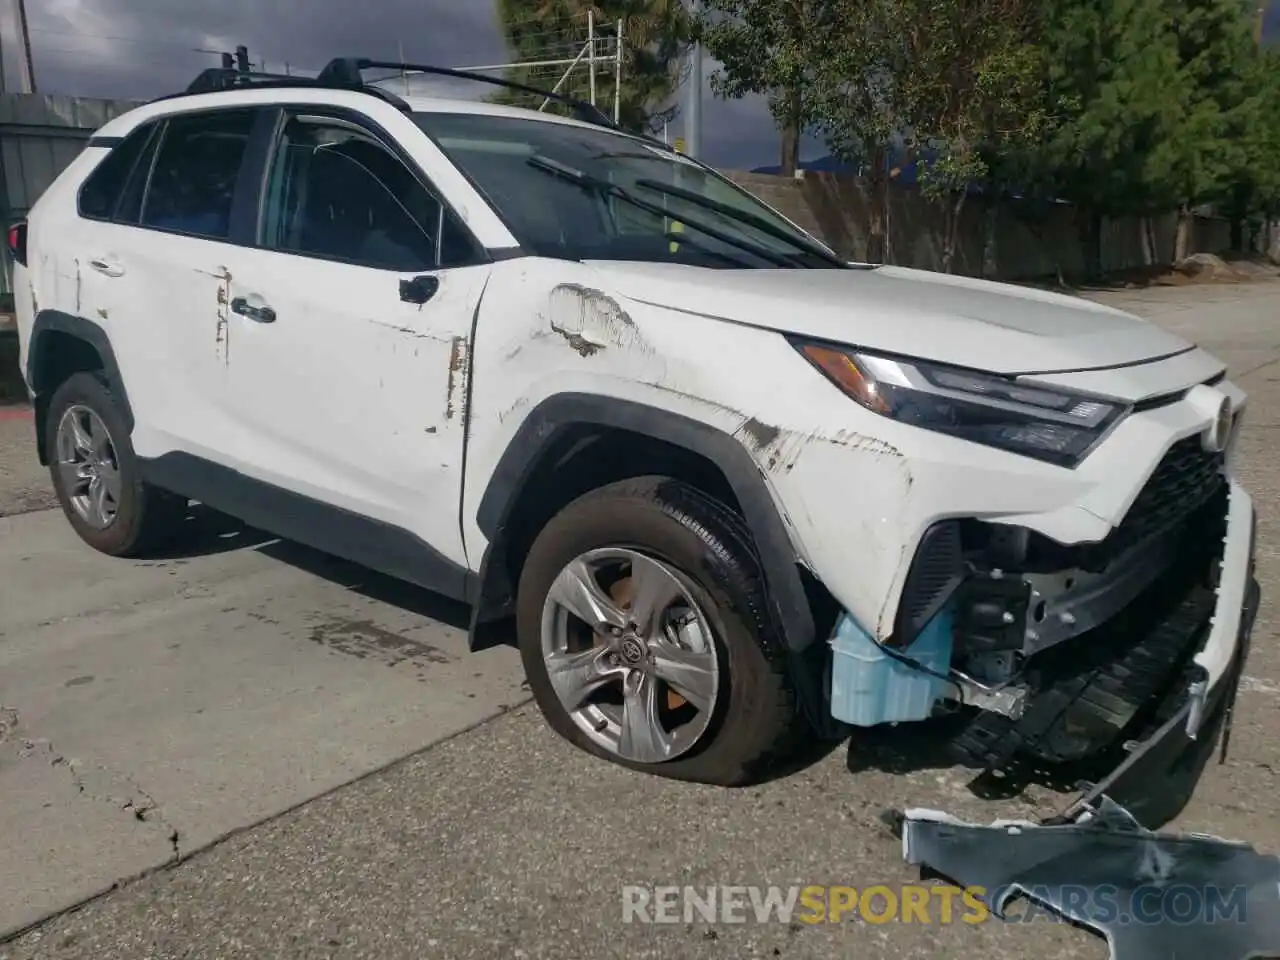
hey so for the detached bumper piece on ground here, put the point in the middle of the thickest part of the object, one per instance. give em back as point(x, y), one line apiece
point(1100, 865)
point(1151, 895)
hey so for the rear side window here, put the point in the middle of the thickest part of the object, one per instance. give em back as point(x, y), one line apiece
point(193, 181)
point(102, 190)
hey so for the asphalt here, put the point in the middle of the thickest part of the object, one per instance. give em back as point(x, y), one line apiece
point(495, 840)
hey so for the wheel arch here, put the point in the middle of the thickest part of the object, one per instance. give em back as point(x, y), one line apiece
point(556, 430)
point(62, 344)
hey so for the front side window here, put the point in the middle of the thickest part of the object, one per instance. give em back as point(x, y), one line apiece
point(336, 192)
point(583, 193)
point(193, 181)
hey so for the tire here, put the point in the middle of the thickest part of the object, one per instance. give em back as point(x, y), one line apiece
point(755, 720)
point(144, 518)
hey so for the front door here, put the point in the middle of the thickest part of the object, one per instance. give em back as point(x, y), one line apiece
point(349, 330)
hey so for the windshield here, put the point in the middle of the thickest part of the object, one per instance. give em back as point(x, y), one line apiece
point(580, 193)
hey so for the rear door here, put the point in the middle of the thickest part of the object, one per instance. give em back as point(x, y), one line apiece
point(350, 329)
point(190, 229)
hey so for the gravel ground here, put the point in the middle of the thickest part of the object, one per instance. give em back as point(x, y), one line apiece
point(24, 484)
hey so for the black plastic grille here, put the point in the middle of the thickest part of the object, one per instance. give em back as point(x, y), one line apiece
point(1185, 480)
point(935, 572)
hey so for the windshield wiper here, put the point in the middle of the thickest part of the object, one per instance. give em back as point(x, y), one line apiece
point(587, 181)
point(743, 216)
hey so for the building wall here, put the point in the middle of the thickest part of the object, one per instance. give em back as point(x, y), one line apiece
point(40, 135)
point(1020, 242)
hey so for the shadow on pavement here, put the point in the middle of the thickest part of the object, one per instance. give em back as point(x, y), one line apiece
point(368, 583)
point(210, 532)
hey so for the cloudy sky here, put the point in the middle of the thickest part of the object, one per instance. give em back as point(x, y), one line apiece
point(143, 48)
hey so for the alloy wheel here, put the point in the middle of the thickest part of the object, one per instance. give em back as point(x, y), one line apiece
point(88, 467)
point(630, 655)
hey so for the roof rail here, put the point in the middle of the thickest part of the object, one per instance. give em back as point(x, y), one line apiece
point(346, 72)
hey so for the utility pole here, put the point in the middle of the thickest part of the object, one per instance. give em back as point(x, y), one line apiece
point(693, 95)
point(24, 37)
point(1257, 27)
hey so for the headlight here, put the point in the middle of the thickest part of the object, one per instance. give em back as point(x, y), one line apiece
point(1042, 422)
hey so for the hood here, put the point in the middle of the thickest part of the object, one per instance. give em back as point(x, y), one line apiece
point(978, 324)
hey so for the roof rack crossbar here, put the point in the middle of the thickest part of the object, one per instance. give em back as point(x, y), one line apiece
point(346, 72)
point(217, 79)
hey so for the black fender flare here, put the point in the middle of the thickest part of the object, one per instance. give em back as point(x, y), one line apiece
point(49, 321)
point(559, 412)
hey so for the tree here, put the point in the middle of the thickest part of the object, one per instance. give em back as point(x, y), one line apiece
point(1115, 92)
point(975, 95)
point(768, 47)
point(654, 34)
point(1204, 159)
point(1255, 194)
point(950, 82)
point(861, 96)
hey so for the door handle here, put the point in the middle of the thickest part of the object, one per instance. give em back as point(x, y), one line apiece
point(420, 289)
point(262, 314)
point(109, 268)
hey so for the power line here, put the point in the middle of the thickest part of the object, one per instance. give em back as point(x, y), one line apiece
point(80, 35)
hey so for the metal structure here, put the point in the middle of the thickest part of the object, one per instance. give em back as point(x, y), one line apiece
point(693, 96)
point(601, 51)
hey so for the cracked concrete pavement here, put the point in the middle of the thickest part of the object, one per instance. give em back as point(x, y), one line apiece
point(151, 707)
point(203, 693)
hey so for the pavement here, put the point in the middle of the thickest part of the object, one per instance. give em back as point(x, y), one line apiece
point(153, 708)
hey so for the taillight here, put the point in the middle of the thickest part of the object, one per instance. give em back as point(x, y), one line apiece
point(18, 242)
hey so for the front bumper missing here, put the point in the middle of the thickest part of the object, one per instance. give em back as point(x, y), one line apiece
point(1183, 660)
point(1158, 774)
point(1170, 758)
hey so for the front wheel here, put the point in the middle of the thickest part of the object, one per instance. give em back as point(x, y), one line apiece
point(646, 637)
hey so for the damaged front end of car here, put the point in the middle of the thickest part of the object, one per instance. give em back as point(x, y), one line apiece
point(1071, 657)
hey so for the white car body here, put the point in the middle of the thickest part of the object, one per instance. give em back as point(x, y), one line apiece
point(402, 413)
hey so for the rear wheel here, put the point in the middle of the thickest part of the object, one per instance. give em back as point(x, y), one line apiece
point(644, 631)
point(96, 474)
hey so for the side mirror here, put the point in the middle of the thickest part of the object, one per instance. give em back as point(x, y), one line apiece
point(419, 289)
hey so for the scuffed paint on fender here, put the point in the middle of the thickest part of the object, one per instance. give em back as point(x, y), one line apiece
point(590, 320)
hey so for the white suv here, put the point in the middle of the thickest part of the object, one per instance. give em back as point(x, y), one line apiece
point(736, 492)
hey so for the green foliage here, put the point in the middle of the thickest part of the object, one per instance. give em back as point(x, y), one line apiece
point(1204, 154)
point(1120, 106)
point(655, 33)
point(1261, 179)
point(774, 48)
point(1113, 87)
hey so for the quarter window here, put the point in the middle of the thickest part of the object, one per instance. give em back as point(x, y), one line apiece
point(336, 192)
point(102, 189)
point(193, 182)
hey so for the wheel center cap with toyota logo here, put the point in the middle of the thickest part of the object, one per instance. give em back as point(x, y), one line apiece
point(632, 650)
